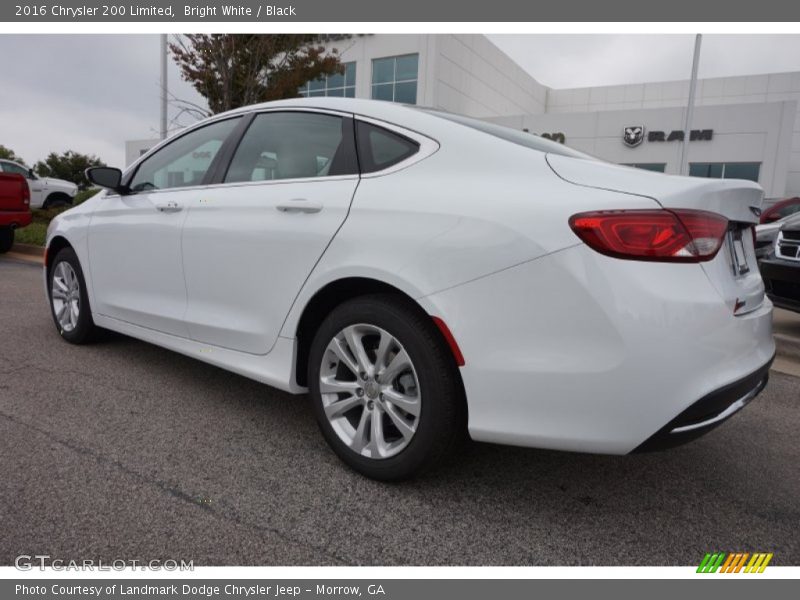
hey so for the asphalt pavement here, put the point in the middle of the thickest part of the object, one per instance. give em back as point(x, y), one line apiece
point(122, 450)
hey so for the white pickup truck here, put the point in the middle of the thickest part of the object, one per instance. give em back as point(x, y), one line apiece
point(45, 191)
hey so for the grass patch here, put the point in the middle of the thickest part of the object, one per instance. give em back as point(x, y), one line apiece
point(84, 196)
point(32, 234)
point(36, 232)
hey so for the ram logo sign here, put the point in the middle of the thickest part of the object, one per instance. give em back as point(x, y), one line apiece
point(633, 135)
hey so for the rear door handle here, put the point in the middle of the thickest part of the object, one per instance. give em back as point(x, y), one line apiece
point(169, 207)
point(299, 205)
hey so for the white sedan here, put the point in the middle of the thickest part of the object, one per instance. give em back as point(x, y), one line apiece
point(423, 275)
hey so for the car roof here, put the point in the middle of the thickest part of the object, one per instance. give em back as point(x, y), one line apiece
point(379, 109)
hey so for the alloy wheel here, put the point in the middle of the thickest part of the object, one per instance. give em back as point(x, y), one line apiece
point(370, 391)
point(66, 296)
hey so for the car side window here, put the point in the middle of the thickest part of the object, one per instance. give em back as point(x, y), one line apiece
point(379, 148)
point(185, 161)
point(294, 145)
point(12, 168)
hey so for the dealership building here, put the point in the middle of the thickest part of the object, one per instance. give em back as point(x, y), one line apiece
point(742, 127)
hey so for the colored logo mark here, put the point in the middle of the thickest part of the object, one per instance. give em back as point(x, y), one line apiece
point(734, 562)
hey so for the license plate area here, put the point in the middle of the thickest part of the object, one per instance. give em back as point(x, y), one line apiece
point(736, 247)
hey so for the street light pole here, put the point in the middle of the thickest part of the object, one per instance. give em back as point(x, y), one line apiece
point(687, 125)
point(163, 129)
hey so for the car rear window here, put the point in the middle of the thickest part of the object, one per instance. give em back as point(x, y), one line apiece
point(379, 148)
point(522, 138)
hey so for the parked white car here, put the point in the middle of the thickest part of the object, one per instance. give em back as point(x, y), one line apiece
point(767, 233)
point(45, 191)
point(422, 275)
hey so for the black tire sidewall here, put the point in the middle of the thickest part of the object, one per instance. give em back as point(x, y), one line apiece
point(438, 422)
point(85, 327)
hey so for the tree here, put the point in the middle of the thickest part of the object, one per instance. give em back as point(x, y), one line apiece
point(68, 165)
point(8, 154)
point(230, 71)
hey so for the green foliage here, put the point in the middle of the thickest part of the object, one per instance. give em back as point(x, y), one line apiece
point(68, 165)
point(234, 70)
point(34, 233)
point(8, 154)
point(84, 195)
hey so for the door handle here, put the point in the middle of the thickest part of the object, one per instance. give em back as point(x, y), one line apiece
point(169, 207)
point(299, 205)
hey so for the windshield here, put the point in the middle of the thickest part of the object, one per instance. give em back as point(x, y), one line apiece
point(522, 138)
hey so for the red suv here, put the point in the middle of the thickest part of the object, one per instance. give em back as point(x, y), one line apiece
point(15, 207)
point(781, 209)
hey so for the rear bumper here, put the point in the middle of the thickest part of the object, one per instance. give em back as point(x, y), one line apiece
point(582, 352)
point(782, 282)
point(708, 412)
point(9, 218)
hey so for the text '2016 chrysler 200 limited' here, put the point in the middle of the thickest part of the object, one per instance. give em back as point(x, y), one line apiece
point(422, 275)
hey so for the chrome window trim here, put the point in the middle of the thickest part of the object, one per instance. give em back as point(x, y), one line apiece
point(243, 113)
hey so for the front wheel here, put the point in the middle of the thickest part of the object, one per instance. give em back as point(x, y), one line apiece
point(385, 389)
point(69, 302)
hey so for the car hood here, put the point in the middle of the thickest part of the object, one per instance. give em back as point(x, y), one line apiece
point(62, 183)
point(736, 199)
point(791, 224)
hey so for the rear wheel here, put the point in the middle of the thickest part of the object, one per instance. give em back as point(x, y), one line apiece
point(385, 389)
point(6, 239)
point(69, 302)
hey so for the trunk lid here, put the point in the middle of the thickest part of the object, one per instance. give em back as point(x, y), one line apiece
point(734, 270)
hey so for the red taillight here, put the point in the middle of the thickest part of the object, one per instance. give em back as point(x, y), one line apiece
point(659, 235)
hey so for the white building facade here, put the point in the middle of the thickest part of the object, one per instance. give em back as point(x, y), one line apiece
point(745, 126)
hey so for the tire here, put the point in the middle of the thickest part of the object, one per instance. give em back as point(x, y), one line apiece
point(57, 200)
point(404, 444)
point(66, 276)
point(6, 239)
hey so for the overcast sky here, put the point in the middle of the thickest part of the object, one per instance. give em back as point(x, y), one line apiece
point(90, 93)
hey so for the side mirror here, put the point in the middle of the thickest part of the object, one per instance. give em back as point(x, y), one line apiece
point(31, 174)
point(107, 177)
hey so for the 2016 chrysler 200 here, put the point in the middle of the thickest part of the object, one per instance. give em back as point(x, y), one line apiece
point(422, 275)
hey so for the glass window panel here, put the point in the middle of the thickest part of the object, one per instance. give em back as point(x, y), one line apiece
point(698, 169)
point(380, 148)
point(317, 84)
point(287, 145)
point(406, 67)
point(742, 171)
point(657, 167)
point(406, 92)
point(383, 70)
point(350, 92)
point(382, 92)
point(316, 94)
point(350, 73)
point(336, 80)
point(185, 161)
point(713, 170)
point(339, 92)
